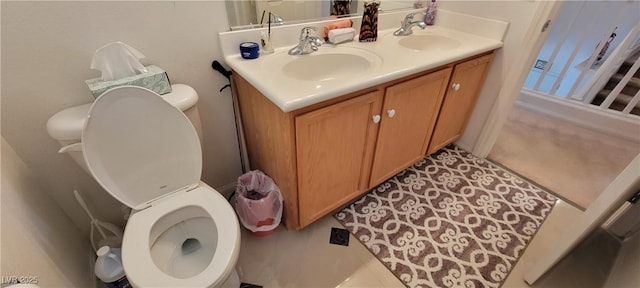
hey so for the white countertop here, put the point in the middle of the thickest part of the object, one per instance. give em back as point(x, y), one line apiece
point(393, 62)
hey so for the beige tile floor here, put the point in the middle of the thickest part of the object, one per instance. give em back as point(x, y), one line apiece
point(573, 162)
point(306, 258)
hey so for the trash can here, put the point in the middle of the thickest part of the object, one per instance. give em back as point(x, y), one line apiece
point(258, 203)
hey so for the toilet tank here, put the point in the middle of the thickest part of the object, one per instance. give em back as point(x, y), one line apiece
point(66, 126)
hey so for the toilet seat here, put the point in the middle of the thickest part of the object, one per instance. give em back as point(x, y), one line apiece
point(138, 263)
point(146, 154)
point(133, 140)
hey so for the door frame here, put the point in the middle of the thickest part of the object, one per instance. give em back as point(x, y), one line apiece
point(513, 82)
point(622, 188)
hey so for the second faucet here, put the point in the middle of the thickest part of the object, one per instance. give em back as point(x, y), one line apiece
point(408, 23)
point(308, 43)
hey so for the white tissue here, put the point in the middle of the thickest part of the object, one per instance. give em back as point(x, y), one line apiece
point(117, 60)
point(341, 35)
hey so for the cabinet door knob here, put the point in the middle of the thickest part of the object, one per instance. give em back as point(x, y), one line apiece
point(455, 86)
point(391, 113)
point(376, 119)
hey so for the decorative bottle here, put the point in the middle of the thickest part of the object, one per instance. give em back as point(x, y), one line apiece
point(430, 15)
point(369, 27)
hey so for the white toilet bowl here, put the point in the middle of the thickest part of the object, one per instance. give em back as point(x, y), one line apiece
point(153, 243)
point(146, 153)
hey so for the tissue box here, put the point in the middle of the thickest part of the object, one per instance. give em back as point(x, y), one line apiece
point(155, 79)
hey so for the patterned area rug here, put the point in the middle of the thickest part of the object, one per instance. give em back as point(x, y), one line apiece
point(450, 220)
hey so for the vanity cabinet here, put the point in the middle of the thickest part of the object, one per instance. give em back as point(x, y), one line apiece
point(464, 87)
point(326, 155)
point(408, 117)
point(335, 145)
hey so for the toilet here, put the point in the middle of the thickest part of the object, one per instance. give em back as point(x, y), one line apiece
point(146, 153)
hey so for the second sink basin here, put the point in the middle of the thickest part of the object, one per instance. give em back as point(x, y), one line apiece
point(428, 42)
point(327, 64)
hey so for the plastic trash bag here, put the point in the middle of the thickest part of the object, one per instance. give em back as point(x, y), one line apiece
point(258, 203)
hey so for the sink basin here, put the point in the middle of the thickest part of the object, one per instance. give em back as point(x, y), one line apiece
point(429, 42)
point(327, 64)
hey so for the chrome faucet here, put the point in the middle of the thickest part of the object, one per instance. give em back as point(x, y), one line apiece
point(408, 23)
point(307, 44)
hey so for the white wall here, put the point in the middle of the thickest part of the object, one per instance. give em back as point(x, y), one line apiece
point(519, 14)
point(577, 17)
point(621, 14)
point(291, 11)
point(240, 13)
point(38, 239)
point(46, 51)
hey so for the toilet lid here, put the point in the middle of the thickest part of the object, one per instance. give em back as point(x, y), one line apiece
point(139, 147)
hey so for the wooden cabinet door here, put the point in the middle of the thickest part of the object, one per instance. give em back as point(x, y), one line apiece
point(408, 115)
point(334, 153)
point(459, 101)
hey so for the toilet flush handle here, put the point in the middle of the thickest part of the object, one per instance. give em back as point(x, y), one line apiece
point(71, 148)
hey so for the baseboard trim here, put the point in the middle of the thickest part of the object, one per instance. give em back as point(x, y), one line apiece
point(601, 121)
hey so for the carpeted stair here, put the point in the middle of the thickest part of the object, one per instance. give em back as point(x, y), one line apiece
point(627, 92)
